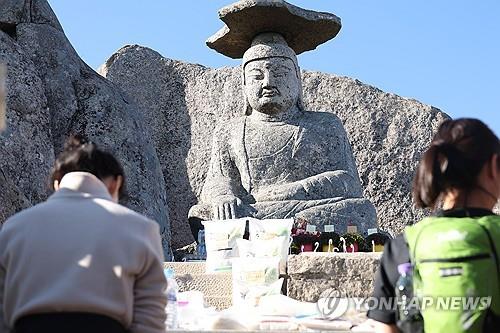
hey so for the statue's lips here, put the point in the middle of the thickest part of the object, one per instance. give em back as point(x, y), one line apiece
point(269, 94)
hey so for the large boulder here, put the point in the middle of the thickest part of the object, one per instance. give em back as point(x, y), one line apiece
point(181, 104)
point(26, 150)
point(52, 93)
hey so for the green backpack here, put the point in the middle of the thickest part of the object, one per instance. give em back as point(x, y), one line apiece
point(456, 274)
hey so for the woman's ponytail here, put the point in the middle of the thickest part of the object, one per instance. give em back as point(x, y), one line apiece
point(454, 159)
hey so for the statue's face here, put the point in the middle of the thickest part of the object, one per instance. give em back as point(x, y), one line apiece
point(271, 85)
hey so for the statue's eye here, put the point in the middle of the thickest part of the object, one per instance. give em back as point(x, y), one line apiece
point(280, 74)
point(256, 75)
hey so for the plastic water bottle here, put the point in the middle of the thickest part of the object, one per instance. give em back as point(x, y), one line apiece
point(172, 322)
point(409, 317)
point(201, 249)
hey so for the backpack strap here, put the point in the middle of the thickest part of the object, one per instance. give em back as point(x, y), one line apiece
point(492, 245)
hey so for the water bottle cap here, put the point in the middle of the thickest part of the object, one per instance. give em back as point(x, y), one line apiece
point(169, 273)
point(405, 268)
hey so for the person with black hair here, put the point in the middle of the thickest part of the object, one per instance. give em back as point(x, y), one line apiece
point(80, 262)
point(454, 252)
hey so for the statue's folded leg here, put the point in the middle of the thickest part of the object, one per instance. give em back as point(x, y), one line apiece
point(336, 211)
point(357, 212)
point(339, 212)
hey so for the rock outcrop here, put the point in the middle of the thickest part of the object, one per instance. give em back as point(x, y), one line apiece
point(161, 126)
point(181, 104)
point(52, 93)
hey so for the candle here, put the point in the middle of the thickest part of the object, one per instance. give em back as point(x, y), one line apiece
point(330, 243)
point(344, 248)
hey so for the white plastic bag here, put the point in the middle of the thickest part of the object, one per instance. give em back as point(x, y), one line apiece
point(260, 247)
point(254, 278)
point(220, 241)
point(267, 229)
point(270, 229)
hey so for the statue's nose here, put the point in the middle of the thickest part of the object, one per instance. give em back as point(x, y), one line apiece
point(268, 81)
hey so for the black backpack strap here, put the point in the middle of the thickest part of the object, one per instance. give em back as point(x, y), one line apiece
point(495, 253)
point(492, 320)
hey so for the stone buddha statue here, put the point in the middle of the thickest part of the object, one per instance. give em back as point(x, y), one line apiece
point(279, 160)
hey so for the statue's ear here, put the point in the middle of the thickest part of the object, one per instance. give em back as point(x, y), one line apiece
point(300, 98)
point(247, 109)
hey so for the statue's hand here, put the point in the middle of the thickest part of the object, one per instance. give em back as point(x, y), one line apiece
point(291, 191)
point(224, 207)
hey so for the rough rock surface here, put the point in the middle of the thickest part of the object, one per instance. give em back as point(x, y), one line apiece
point(2, 97)
point(52, 93)
point(352, 274)
point(217, 289)
point(182, 103)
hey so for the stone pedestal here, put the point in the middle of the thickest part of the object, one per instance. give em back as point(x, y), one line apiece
point(309, 275)
point(350, 273)
point(217, 288)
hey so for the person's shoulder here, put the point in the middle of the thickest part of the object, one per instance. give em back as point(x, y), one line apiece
point(396, 251)
point(491, 223)
point(125, 214)
point(25, 217)
point(398, 243)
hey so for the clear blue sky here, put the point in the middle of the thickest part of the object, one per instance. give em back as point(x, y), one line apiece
point(445, 53)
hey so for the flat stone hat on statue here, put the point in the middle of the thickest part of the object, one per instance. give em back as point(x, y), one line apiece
point(260, 29)
point(302, 29)
point(279, 160)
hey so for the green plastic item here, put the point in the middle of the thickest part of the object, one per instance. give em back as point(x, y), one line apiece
point(456, 269)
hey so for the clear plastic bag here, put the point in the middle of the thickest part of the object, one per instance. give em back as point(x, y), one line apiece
point(220, 242)
point(271, 229)
point(263, 248)
point(254, 278)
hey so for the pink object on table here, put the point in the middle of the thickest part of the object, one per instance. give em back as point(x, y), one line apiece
point(307, 247)
point(353, 248)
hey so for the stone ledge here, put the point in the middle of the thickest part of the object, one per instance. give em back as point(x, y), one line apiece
point(217, 289)
point(309, 273)
point(350, 273)
point(181, 268)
